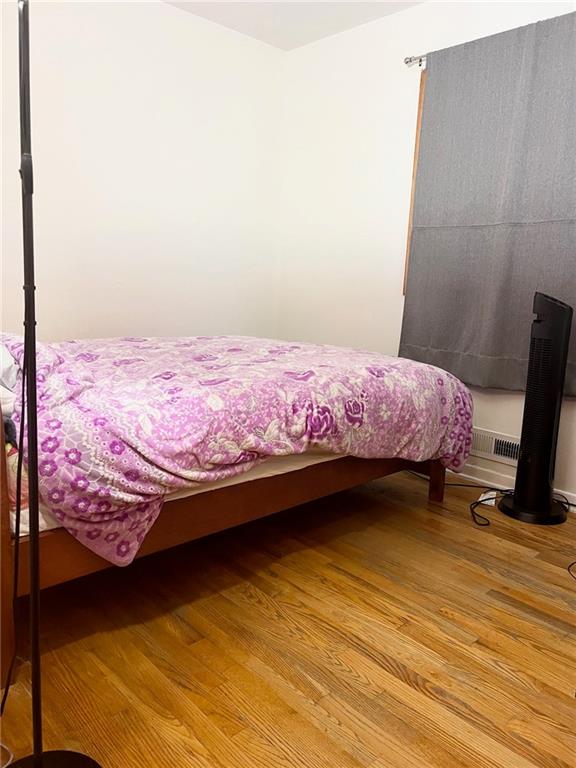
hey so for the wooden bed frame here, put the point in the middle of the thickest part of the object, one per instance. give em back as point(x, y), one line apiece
point(63, 558)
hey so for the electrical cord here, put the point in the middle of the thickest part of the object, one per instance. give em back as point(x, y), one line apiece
point(9, 753)
point(477, 518)
point(459, 485)
point(16, 564)
point(560, 497)
point(482, 520)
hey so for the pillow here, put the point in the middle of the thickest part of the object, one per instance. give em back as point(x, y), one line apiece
point(12, 358)
point(7, 401)
point(8, 370)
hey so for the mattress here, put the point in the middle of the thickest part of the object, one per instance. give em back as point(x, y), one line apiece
point(276, 465)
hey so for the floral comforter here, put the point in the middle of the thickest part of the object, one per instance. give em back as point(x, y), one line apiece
point(123, 422)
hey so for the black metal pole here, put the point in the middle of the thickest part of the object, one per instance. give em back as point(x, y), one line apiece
point(39, 758)
point(30, 356)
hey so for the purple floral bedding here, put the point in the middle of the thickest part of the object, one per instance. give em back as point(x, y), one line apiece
point(123, 422)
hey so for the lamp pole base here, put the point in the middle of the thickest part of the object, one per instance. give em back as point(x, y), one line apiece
point(59, 758)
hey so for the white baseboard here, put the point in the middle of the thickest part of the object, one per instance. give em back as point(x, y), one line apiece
point(498, 477)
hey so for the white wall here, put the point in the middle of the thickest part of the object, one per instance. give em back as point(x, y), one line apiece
point(154, 155)
point(350, 117)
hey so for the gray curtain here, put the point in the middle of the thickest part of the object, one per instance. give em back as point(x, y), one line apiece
point(495, 202)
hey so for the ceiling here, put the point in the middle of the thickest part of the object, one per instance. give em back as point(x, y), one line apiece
point(289, 25)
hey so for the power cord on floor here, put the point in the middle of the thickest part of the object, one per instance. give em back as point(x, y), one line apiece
point(482, 520)
point(561, 498)
point(478, 519)
point(8, 753)
point(455, 485)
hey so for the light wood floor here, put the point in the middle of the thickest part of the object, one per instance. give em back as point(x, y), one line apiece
point(370, 629)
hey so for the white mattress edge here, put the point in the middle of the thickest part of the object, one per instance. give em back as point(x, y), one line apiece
point(275, 465)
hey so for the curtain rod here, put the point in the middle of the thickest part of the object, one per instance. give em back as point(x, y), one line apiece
point(411, 60)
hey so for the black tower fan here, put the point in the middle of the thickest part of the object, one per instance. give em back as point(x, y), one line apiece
point(532, 501)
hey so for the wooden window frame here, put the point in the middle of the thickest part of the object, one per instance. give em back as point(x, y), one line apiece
point(423, 77)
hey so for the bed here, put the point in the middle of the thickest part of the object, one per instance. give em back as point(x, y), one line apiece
point(149, 443)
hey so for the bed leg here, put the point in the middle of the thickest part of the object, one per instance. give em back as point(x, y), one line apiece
point(437, 473)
